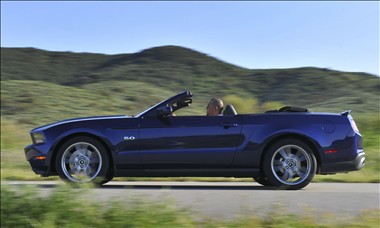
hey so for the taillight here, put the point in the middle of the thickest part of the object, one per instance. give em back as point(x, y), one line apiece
point(352, 121)
point(353, 125)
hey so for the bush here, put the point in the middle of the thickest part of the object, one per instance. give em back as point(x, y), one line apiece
point(68, 207)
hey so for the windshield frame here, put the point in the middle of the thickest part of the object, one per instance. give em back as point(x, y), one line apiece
point(152, 110)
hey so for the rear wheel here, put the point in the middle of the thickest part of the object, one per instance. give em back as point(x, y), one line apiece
point(83, 159)
point(289, 164)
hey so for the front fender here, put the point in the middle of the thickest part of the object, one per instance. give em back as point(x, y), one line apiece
point(76, 132)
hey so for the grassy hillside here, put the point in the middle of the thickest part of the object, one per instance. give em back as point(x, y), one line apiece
point(35, 102)
point(174, 69)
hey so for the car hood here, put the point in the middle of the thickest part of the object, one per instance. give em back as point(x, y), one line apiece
point(79, 120)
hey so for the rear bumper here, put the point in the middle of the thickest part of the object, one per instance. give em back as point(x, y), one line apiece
point(346, 166)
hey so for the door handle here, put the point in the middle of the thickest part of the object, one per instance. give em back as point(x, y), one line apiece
point(227, 125)
point(176, 143)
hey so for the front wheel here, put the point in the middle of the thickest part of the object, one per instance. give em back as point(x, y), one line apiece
point(289, 164)
point(83, 159)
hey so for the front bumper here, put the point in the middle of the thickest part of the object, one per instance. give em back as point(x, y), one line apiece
point(346, 166)
point(38, 166)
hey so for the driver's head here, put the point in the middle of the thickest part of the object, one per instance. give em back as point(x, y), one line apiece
point(214, 107)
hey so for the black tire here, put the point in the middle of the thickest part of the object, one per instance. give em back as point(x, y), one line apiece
point(83, 159)
point(263, 181)
point(108, 178)
point(289, 164)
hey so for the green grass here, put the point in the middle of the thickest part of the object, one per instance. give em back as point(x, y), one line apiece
point(70, 207)
point(36, 103)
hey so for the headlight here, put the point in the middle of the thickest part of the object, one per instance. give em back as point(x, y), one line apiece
point(38, 138)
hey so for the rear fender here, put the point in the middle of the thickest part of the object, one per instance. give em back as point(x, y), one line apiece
point(316, 148)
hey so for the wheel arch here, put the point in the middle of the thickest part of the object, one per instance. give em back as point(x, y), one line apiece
point(61, 141)
point(310, 142)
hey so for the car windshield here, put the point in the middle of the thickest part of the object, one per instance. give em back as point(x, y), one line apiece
point(169, 101)
point(151, 108)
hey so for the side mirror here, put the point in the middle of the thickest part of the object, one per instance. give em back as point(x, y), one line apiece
point(164, 111)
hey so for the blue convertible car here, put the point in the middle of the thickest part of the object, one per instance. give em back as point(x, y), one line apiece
point(282, 148)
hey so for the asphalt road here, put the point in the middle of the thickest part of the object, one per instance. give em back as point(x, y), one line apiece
point(227, 200)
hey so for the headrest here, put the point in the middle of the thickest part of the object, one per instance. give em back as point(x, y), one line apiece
point(229, 110)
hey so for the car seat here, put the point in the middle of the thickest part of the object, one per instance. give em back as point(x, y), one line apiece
point(229, 110)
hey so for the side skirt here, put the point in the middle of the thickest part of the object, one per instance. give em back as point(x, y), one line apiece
point(187, 173)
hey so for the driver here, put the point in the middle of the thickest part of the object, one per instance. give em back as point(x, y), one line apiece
point(215, 107)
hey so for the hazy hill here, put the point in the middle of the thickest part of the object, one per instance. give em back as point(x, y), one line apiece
point(83, 68)
point(172, 69)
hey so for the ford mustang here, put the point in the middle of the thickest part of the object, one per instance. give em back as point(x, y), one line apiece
point(282, 148)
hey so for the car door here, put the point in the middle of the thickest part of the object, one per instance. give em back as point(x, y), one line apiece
point(189, 141)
